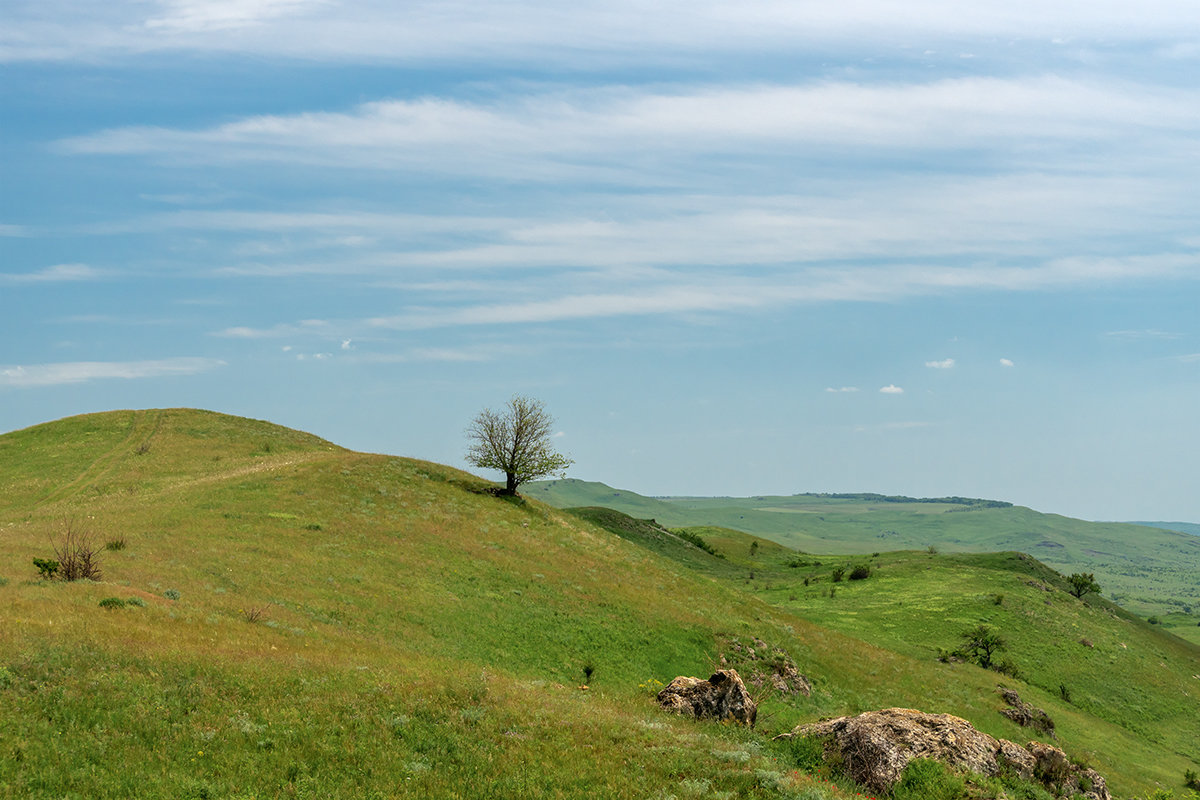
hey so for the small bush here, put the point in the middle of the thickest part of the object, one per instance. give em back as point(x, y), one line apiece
point(115, 544)
point(838, 574)
point(860, 573)
point(78, 556)
point(256, 613)
point(1154, 621)
point(932, 550)
point(47, 568)
point(136, 601)
point(171, 594)
point(1064, 692)
point(697, 540)
point(997, 599)
point(112, 602)
point(1191, 780)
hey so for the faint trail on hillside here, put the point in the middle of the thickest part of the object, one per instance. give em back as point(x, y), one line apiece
point(250, 469)
point(105, 463)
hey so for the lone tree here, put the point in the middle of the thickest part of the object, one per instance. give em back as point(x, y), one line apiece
point(1083, 583)
point(515, 441)
point(981, 644)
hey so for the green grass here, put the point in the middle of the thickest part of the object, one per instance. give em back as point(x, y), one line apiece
point(420, 637)
point(1148, 570)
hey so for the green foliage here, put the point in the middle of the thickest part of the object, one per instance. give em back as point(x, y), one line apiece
point(981, 644)
point(1082, 583)
point(135, 601)
point(1191, 780)
point(697, 540)
point(515, 441)
point(860, 573)
point(116, 543)
point(112, 602)
point(838, 574)
point(47, 568)
point(926, 779)
point(805, 752)
point(171, 594)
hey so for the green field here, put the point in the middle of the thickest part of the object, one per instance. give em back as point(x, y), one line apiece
point(299, 620)
point(1148, 570)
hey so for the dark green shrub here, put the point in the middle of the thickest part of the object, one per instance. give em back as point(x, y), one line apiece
point(47, 568)
point(838, 574)
point(1064, 692)
point(171, 594)
point(136, 601)
point(1154, 620)
point(860, 573)
point(697, 540)
point(112, 602)
point(1191, 780)
point(117, 543)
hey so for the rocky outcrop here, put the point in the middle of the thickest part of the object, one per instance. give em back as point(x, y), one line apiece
point(764, 665)
point(875, 747)
point(721, 697)
point(1024, 714)
point(1064, 778)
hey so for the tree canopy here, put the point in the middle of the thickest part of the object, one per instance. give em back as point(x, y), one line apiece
point(515, 441)
point(1082, 583)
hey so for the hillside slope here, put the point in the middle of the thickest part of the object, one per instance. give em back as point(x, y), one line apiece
point(306, 621)
point(1148, 570)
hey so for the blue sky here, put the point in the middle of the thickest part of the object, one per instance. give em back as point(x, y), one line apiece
point(926, 248)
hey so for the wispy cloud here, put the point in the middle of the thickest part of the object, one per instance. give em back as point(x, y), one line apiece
point(83, 371)
point(945, 363)
point(539, 30)
point(842, 390)
point(891, 388)
point(1006, 362)
point(58, 273)
point(569, 133)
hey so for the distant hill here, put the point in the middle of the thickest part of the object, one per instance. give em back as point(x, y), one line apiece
point(1147, 569)
point(1183, 527)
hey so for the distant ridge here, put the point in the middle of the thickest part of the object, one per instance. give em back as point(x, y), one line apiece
point(1149, 568)
point(1183, 527)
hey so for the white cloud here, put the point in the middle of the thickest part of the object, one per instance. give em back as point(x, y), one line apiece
point(346, 344)
point(572, 133)
point(842, 390)
point(58, 273)
point(891, 388)
point(222, 15)
point(946, 363)
point(1006, 362)
point(83, 371)
point(590, 31)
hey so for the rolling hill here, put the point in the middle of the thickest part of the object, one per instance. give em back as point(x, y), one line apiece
point(1148, 570)
point(279, 617)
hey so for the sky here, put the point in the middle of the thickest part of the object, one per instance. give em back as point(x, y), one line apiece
point(926, 248)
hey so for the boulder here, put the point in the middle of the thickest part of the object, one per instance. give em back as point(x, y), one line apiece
point(1055, 770)
point(876, 746)
point(1025, 714)
point(721, 697)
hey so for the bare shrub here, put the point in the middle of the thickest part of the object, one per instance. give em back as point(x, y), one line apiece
point(78, 555)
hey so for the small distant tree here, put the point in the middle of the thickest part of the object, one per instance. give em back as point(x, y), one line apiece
point(1082, 583)
point(981, 644)
point(515, 441)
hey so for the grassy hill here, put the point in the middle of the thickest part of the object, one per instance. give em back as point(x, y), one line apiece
point(299, 620)
point(1149, 570)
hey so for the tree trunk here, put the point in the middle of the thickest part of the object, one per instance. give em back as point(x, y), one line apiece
point(511, 488)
